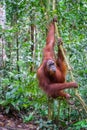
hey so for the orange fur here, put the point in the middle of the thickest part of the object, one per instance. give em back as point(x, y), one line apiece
point(53, 84)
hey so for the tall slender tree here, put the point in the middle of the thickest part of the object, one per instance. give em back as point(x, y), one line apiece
point(3, 56)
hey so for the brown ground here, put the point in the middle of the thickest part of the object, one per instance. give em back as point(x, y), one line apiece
point(14, 123)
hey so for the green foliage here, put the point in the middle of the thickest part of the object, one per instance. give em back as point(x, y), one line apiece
point(46, 125)
point(19, 87)
point(79, 125)
point(28, 118)
point(15, 92)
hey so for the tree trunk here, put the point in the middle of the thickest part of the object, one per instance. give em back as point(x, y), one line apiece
point(33, 46)
point(14, 19)
point(3, 56)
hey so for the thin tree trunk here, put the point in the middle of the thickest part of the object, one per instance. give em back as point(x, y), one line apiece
point(33, 46)
point(15, 18)
point(3, 56)
point(17, 43)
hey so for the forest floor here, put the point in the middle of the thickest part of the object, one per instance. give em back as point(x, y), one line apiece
point(12, 122)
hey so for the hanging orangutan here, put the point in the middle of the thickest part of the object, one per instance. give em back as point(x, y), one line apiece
point(52, 72)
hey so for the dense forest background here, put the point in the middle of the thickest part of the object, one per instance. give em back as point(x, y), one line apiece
point(22, 38)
